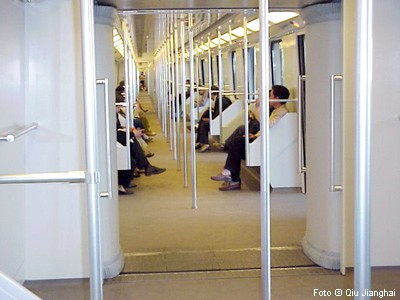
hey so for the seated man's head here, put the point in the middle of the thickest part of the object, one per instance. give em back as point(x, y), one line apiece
point(278, 92)
point(214, 92)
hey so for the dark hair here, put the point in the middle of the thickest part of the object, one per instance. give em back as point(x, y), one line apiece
point(215, 89)
point(281, 92)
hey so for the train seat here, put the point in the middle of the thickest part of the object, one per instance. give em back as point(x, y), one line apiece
point(122, 161)
point(283, 153)
point(233, 123)
point(227, 116)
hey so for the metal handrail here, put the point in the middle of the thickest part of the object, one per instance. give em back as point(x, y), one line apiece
point(56, 177)
point(128, 103)
point(301, 167)
point(220, 84)
point(192, 132)
point(183, 76)
point(108, 193)
point(246, 91)
point(333, 187)
point(17, 133)
point(91, 151)
point(209, 85)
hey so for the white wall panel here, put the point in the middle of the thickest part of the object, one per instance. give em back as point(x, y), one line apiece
point(12, 101)
point(56, 213)
point(385, 135)
point(385, 132)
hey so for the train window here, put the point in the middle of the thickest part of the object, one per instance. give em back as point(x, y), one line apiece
point(252, 70)
point(217, 57)
point(301, 42)
point(212, 71)
point(233, 63)
point(202, 72)
point(277, 62)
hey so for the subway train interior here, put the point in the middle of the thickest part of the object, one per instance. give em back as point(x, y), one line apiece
point(315, 211)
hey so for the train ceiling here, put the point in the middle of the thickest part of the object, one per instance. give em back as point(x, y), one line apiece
point(144, 15)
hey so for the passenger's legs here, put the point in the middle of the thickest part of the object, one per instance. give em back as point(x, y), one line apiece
point(236, 153)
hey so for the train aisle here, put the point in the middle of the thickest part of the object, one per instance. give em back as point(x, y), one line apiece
point(176, 253)
point(160, 232)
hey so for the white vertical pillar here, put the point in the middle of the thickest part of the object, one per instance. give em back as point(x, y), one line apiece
point(112, 256)
point(322, 242)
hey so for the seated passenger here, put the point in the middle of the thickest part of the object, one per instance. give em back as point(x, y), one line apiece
point(236, 144)
point(204, 123)
point(137, 153)
point(139, 114)
point(138, 160)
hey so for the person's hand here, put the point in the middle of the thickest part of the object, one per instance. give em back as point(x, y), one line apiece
point(137, 132)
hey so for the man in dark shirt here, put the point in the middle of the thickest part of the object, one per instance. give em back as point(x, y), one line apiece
point(202, 141)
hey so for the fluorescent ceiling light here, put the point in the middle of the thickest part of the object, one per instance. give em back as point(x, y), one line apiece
point(117, 43)
point(239, 31)
point(225, 37)
point(216, 42)
point(203, 47)
point(254, 25)
point(280, 16)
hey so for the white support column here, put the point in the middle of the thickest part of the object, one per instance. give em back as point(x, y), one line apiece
point(322, 242)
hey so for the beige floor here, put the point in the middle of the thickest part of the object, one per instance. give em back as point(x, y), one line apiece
point(157, 222)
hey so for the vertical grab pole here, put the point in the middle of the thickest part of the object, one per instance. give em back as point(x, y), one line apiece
point(91, 153)
point(166, 95)
point(265, 178)
point(127, 92)
point(209, 83)
point(246, 91)
point(220, 84)
point(192, 132)
point(183, 79)
point(177, 113)
point(169, 82)
point(198, 84)
point(362, 267)
point(174, 99)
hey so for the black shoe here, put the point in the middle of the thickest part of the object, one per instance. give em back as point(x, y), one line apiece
point(136, 174)
point(124, 191)
point(152, 170)
point(150, 154)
